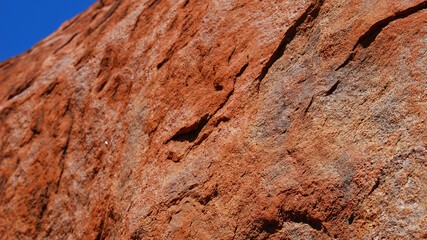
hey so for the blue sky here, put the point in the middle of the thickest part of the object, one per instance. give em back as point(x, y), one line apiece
point(23, 23)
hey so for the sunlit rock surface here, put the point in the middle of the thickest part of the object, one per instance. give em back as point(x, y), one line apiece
point(230, 119)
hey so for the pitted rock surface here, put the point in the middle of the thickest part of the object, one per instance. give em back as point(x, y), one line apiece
point(207, 119)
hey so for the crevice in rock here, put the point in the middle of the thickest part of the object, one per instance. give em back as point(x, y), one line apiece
point(350, 220)
point(240, 73)
point(162, 63)
point(44, 200)
point(221, 119)
point(117, 83)
point(298, 217)
point(108, 14)
point(135, 25)
point(108, 63)
point(169, 54)
point(101, 3)
point(100, 230)
point(371, 34)
point(94, 16)
point(102, 85)
point(225, 102)
point(34, 134)
point(242, 70)
point(154, 2)
point(190, 133)
point(27, 84)
point(206, 199)
point(270, 226)
point(138, 18)
point(49, 89)
point(86, 56)
point(347, 60)
point(71, 23)
point(7, 64)
point(185, 3)
point(137, 234)
point(332, 88)
point(44, 207)
point(235, 232)
point(376, 185)
point(308, 106)
point(65, 44)
point(231, 55)
point(313, 10)
point(176, 200)
point(62, 166)
point(65, 148)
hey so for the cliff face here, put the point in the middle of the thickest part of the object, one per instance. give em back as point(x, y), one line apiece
point(164, 119)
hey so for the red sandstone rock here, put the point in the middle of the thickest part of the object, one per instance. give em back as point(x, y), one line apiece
point(219, 120)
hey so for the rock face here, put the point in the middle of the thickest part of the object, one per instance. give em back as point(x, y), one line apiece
point(185, 119)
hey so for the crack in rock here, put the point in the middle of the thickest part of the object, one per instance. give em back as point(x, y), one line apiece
point(371, 34)
point(312, 10)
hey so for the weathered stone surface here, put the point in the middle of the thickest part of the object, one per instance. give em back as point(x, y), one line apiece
point(187, 119)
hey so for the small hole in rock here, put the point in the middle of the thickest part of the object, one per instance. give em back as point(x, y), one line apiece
point(219, 87)
point(351, 219)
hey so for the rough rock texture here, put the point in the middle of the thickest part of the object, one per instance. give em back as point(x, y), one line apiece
point(219, 119)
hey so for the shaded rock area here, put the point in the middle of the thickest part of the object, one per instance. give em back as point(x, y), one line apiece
point(219, 119)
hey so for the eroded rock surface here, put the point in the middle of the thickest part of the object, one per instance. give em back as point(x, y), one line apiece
point(185, 119)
